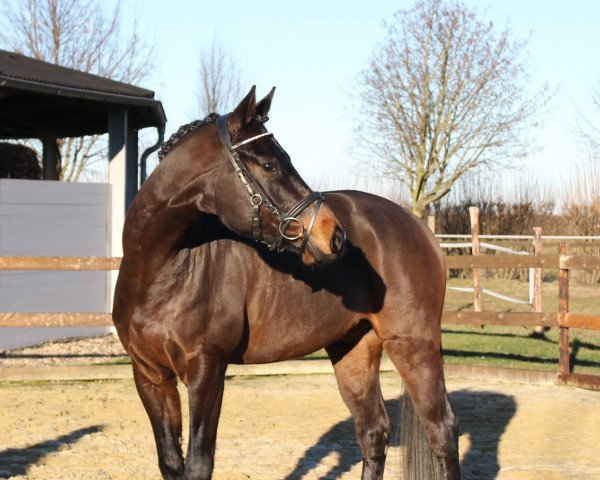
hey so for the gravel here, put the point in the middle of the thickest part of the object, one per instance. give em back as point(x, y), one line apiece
point(75, 351)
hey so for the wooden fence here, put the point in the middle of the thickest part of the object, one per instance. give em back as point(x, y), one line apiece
point(57, 319)
point(563, 319)
point(473, 242)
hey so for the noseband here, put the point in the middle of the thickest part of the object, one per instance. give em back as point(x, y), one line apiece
point(259, 198)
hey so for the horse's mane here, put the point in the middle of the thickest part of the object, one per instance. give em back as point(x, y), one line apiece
point(182, 132)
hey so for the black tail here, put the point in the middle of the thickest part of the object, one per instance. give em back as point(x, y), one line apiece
point(418, 461)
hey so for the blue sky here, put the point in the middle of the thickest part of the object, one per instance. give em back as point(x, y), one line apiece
point(313, 50)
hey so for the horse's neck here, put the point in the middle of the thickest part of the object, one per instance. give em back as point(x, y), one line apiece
point(157, 220)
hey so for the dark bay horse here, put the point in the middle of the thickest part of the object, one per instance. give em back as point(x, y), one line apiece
point(220, 246)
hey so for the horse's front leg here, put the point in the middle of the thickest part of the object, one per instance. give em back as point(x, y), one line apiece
point(205, 382)
point(158, 391)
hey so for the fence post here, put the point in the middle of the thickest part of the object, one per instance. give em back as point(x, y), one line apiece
point(536, 293)
point(431, 222)
point(474, 218)
point(564, 367)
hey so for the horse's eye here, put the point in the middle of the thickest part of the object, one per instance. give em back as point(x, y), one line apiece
point(269, 167)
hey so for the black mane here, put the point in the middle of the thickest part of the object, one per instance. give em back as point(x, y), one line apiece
point(183, 131)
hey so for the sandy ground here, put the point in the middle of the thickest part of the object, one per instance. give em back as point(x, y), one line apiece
point(291, 427)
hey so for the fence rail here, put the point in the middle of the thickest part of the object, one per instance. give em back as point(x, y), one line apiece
point(563, 319)
point(507, 261)
point(98, 319)
point(60, 263)
point(558, 238)
point(525, 319)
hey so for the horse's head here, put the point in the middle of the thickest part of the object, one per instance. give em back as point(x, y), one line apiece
point(260, 194)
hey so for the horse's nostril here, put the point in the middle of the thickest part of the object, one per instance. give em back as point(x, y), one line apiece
point(337, 241)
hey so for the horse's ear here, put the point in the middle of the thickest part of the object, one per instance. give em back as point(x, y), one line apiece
point(244, 113)
point(262, 108)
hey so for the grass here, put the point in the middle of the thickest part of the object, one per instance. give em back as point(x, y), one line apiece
point(516, 347)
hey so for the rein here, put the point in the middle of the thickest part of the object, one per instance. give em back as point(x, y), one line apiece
point(259, 198)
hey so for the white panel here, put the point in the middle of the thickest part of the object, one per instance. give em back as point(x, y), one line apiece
point(39, 218)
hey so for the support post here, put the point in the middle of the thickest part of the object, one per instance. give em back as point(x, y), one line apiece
point(474, 218)
point(50, 159)
point(117, 127)
point(122, 177)
point(564, 363)
point(131, 166)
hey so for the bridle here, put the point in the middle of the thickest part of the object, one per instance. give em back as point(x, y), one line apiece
point(259, 199)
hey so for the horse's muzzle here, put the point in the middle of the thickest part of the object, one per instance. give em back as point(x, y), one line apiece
point(338, 241)
point(337, 248)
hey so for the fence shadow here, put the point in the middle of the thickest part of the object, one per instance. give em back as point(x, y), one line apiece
point(483, 416)
point(16, 461)
point(503, 356)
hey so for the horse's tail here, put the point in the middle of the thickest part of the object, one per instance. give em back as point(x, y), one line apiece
point(418, 460)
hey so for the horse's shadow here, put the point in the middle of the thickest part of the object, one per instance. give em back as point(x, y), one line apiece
point(16, 461)
point(483, 417)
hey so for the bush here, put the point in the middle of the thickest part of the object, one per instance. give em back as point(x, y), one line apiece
point(19, 161)
point(529, 207)
point(581, 211)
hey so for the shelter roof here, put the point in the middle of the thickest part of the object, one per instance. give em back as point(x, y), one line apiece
point(42, 99)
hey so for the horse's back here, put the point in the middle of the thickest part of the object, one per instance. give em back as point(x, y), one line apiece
point(382, 227)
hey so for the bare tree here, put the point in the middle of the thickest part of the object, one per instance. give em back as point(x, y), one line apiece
point(443, 95)
point(76, 34)
point(220, 79)
point(588, 128)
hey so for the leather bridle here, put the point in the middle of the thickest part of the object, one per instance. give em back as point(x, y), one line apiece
point(259, 199)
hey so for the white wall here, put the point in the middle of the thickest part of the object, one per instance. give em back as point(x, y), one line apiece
point(39, 218)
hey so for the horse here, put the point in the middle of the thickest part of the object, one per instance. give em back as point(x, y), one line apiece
point(230, 258)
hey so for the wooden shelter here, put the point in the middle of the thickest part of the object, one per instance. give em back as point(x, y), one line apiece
point(46, 101)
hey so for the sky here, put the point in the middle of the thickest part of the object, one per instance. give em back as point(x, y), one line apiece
point(313, 51)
